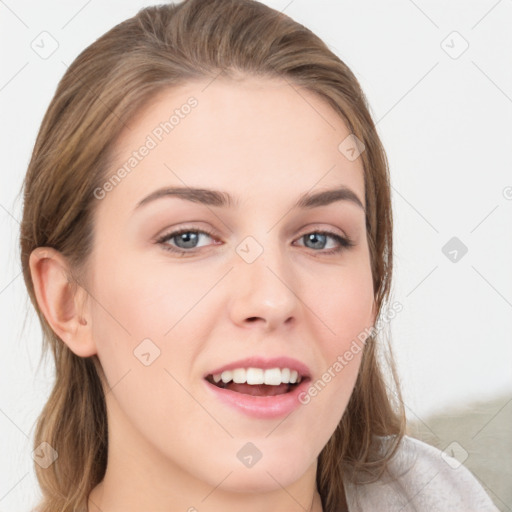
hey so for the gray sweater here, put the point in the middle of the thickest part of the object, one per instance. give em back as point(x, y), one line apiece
point(424, 480)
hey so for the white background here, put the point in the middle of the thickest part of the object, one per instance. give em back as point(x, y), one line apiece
point(446, 124)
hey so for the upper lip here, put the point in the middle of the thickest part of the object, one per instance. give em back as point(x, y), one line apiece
point(264, 363)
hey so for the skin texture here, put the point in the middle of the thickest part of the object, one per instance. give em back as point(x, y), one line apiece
point(171, 445)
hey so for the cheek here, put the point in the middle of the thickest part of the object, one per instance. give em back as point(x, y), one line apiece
point(144, 299)
point(343, 307)
point(144, 348)
point(344, 304)
point(144, 318)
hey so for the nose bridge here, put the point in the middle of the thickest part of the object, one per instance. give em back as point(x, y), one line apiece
point(264, 280)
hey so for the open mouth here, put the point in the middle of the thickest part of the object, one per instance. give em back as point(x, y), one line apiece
point(256, 389)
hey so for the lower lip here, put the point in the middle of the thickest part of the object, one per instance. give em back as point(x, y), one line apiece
point(261, 406)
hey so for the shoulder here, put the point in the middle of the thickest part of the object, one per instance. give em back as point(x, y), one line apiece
point(420, 478)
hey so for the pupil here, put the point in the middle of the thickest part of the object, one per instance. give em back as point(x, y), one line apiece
point(188, 237)
point(313, 236)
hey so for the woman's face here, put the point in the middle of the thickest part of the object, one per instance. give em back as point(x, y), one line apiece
point(251, 277)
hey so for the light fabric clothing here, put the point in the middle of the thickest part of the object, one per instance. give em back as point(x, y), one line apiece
point(426, 481)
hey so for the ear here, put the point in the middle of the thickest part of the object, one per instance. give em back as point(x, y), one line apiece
point(61, 301)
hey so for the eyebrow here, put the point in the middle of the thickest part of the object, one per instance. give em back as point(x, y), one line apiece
point(219, 198)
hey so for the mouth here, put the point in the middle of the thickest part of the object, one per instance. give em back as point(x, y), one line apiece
point(258, 382)
point(260, 388)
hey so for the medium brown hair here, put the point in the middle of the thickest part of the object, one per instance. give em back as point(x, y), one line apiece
point(102, 90)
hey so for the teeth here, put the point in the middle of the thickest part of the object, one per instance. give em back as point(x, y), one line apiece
point(226, 376)
point(272, 377)
point(239, 375)
point(255, 376)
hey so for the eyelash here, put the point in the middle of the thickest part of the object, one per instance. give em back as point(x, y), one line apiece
point(344, 242)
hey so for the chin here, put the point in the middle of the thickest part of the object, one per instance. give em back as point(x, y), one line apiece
point(274, 470)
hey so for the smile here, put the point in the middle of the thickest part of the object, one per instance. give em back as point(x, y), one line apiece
point(257, 381)
point(264, 401)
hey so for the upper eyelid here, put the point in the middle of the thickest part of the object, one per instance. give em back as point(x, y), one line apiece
point(309, 229)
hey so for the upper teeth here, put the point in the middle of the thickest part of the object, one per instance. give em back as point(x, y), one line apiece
point(272, 376)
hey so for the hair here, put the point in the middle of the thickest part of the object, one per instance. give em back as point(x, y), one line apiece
point(113, 79)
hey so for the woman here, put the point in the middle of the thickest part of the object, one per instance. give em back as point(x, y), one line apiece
point(207, 240)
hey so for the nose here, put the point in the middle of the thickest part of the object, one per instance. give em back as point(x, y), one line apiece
point(263, 293)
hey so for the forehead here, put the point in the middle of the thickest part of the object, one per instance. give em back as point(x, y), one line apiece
point(251, 136)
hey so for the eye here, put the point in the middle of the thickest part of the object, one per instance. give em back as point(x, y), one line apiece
point(318, 238)
point(186, 240)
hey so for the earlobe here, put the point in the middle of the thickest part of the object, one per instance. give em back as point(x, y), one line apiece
point(59, 300)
